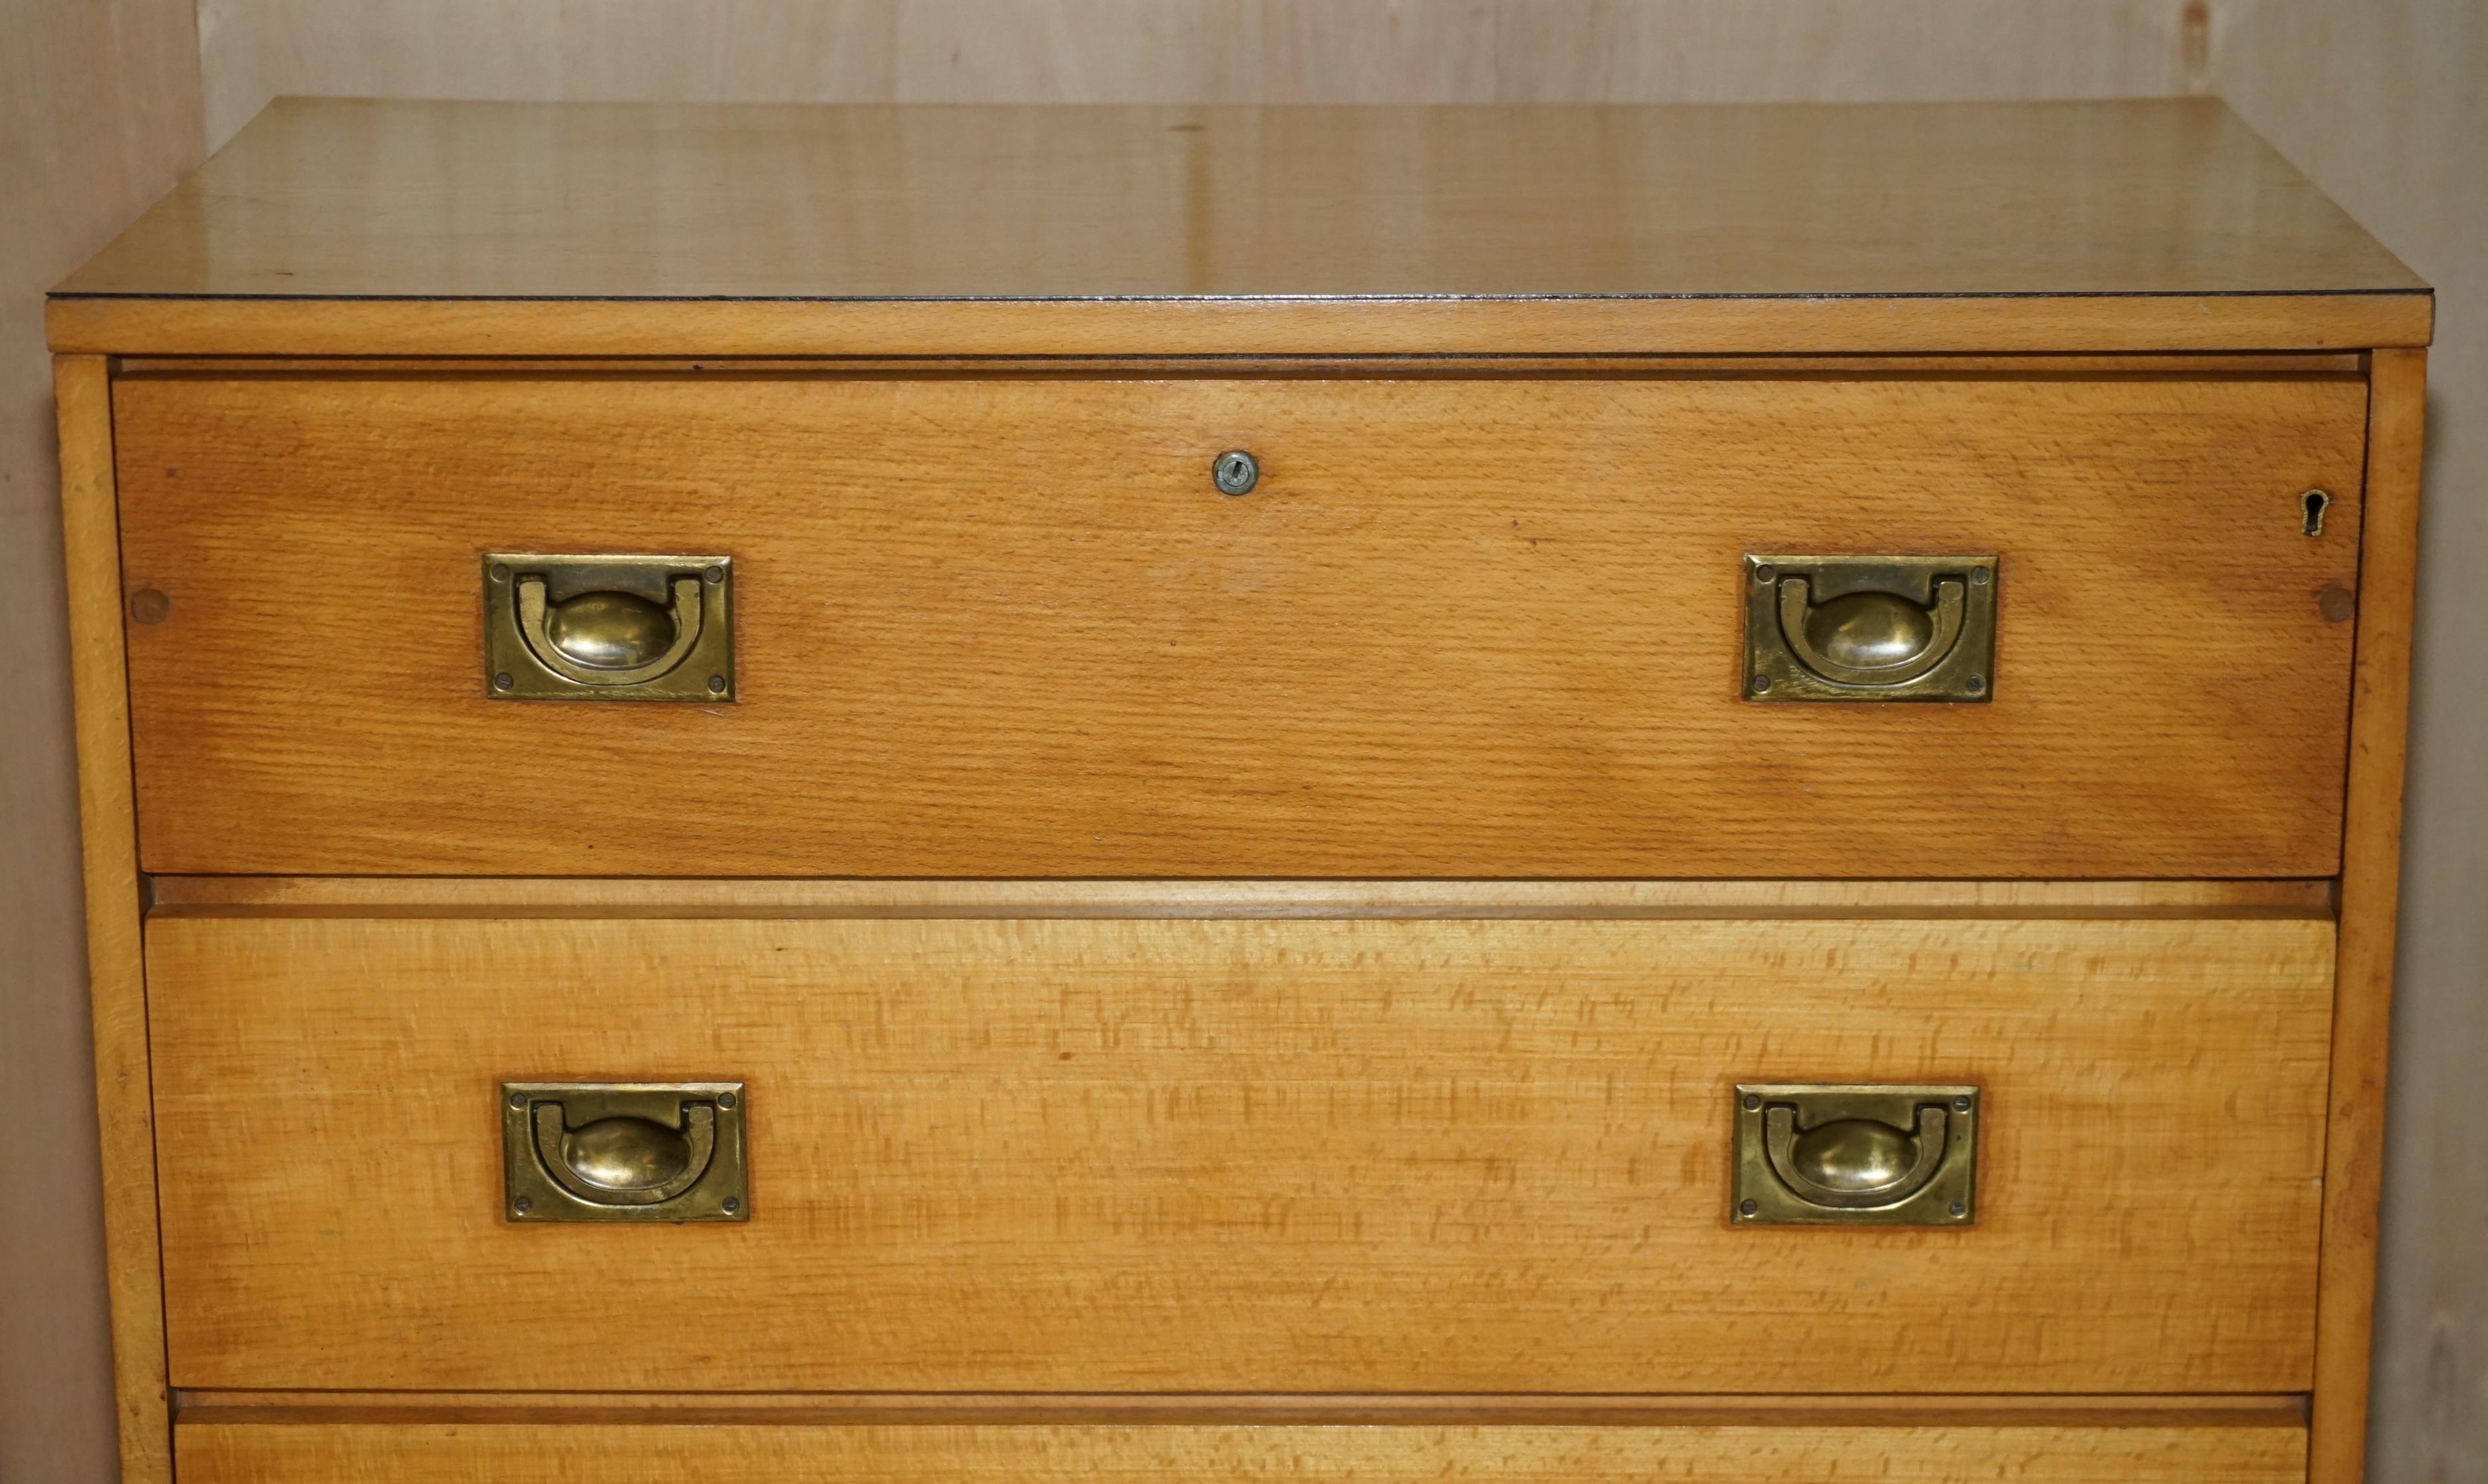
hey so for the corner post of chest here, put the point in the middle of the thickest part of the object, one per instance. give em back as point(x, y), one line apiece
point(116, 977)
point(2369, 892)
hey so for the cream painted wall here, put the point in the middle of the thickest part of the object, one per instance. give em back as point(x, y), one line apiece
point(2380, 100)
point(99, 115)
point(1190, 50)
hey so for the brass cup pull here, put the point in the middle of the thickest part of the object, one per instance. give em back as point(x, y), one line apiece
point(1870, 628)
point(608, 638)
point(623, 1159)
point(1856, 1154)
point(623, 1152)
point(1871, 639)
point(1852, 1163)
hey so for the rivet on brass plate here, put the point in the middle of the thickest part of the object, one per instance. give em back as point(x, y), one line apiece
point(624, 1152)
point(1856, 1154)
point(1870, 628)
point(608, 628)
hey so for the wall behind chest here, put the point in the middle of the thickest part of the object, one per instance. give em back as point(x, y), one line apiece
point(1238, 51)
point(98, 116)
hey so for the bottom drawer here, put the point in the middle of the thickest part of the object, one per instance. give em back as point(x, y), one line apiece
point(1462, 1156)
point(650, 1452)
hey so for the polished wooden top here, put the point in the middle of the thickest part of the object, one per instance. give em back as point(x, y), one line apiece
point(2018, 206)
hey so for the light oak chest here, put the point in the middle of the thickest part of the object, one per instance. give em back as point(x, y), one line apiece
point(1515, 795)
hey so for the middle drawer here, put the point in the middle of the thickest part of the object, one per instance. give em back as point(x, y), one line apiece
point(1211, 1156)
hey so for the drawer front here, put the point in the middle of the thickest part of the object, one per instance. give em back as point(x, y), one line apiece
point(1221, 1156)
point(657, 1453)
point(1460, 627)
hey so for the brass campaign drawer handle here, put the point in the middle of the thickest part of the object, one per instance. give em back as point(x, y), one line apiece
point(624, 1150)
point(609, 628)
point(1827, 1154)
point(1870, 628)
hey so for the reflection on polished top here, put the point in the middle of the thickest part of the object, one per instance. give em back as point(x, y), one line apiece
point(357, 198)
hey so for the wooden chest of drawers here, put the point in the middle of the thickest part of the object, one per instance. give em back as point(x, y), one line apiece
point(1514, 794)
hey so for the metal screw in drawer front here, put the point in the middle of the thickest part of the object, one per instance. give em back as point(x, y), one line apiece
point(624, 1152)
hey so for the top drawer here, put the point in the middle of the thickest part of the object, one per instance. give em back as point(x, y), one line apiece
point(1007, 625)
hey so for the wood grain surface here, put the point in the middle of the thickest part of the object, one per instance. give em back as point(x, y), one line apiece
point(2371, 893)
point(447, 1453)
point(1462, 629)
point(2194, 364)
point(199, 1408)
point(1923, 227)
point(116, 971)
point(1241, 1155)
point(1769, 326)
point(435, 896)
point(322, 197)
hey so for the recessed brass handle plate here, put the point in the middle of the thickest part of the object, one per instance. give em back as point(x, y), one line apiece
point(1870, 628)
point(1854, 1153)
point(608, 628)
point(623, 1152)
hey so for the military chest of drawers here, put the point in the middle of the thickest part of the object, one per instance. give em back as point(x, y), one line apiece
point(1502, 793)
